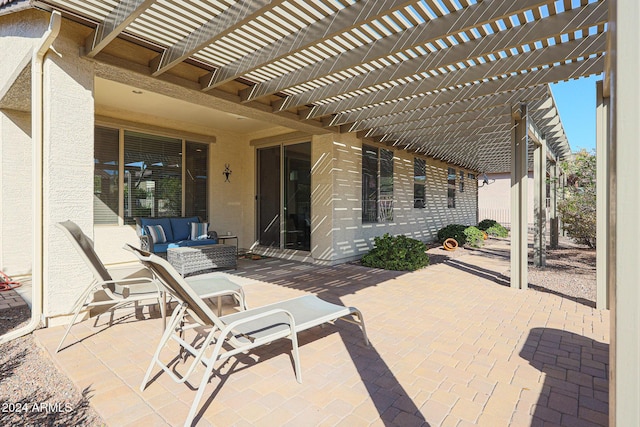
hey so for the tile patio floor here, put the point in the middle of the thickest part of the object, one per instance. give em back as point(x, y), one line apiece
point(451, 346)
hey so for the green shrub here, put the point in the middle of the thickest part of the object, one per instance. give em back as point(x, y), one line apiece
point(475, 236)
point(396, 253)
point(497, 231)
point(486, 224)
point(453, 231)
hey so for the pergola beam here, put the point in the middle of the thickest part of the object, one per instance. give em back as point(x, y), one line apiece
point(462, 20)
point(553, 74)
point(438, 109)
point(526, 34)
point(323, 29)
point(479, 127)
point(526, 61)
point(216, 28)
point(467, 116)
point(115, 22)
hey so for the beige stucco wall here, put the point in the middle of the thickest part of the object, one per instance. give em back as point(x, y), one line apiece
point(494, 199)
point(68, 167)
point(17, 37)
point(15, 186)
point(337, 200)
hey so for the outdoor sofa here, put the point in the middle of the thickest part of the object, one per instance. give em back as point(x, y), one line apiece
point(176, 232)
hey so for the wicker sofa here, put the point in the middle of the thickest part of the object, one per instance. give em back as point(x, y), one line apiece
point(177, 231)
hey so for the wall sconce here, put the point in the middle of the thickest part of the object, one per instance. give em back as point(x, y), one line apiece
point(227, 172)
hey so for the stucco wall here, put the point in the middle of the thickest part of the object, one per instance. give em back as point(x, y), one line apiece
point(494, 199)
point(68, 167)
point(18, 34)
point(15, 188)
point(339, 163)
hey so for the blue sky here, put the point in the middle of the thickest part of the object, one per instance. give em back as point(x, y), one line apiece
point(576, 102)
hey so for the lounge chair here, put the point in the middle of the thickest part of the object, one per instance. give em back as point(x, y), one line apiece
point(135, 286)
point(233, 333)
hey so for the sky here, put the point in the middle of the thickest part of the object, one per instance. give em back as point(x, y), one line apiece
point(576, 102)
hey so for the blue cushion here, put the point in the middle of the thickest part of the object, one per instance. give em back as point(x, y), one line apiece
point(181, 227)
point(184, 243)
point(164, 222)
point(161, 247)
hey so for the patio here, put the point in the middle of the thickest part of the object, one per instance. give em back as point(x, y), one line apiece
point(451, 346)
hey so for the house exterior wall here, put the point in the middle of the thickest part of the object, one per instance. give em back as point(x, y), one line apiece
point(68, 168)
point(15, 182)
point(337, 161)
point(18, 35)
point(494, 199)
point(70, 116)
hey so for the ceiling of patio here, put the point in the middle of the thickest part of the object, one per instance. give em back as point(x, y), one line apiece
point(114, 99)
point(438, 77)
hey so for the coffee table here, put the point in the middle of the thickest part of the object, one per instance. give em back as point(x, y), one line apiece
point(199, 259)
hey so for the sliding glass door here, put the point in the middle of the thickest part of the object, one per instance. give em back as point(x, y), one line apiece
point(284, 196)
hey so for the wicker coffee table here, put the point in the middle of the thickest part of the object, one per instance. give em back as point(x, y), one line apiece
point(200, 259)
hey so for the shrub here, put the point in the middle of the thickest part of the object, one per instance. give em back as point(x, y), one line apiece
point(475, 236)
point(397, 253)
point(497, 231)
point(485, 224)
point(578, 209)
point(453, 231)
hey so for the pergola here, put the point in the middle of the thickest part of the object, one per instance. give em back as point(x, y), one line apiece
point(465, 81)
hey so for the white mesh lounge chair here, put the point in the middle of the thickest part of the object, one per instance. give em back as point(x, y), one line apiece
point(234, 333)
point(135, 287)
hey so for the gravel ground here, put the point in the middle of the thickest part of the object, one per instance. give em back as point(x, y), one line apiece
point(34, 393)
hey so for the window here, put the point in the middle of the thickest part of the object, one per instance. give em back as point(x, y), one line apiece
point(152, 176)
point(419, 182)
point(377, 184)
point(156, 174)
point(461, 181)
point(451, 188)
point(106, 193)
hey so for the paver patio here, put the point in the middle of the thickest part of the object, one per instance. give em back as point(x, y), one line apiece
point(451, 346)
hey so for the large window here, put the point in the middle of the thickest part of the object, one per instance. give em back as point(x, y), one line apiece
point(461, 183)
point(419, 182)
point(158, 174)
point(377, 184)
point(451, 188)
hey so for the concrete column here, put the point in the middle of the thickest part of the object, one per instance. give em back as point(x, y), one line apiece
point(624, 57)
point(519, 174)
point(602, 199)
point(539, 203)
point(68, 114)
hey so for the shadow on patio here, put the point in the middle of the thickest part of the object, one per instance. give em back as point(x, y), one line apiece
point(448, 348)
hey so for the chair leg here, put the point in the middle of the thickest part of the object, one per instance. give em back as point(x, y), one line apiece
point(361, 324)
point(176, 317)
point(296, 356)
point(66, 332)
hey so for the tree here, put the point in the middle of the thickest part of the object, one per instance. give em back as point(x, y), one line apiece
point(578, 209)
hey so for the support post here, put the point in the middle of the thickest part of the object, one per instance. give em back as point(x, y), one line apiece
point(602, 199)
point(519, 187)
point(624, 352)
point(553, 207)
point(540, 203)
